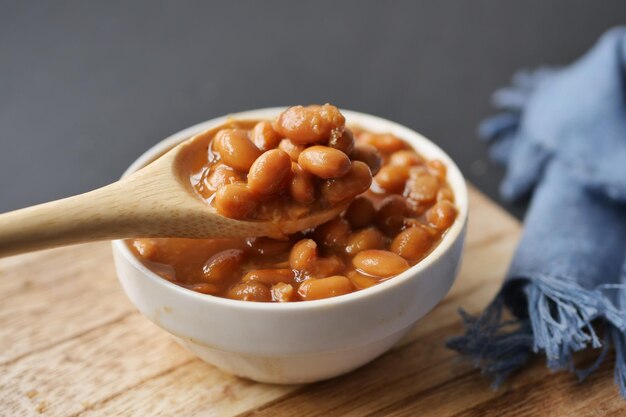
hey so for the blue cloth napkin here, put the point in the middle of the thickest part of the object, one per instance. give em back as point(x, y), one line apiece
point(562, 137)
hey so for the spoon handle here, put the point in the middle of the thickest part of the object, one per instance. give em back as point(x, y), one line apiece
point(155, 201)
point(97, 215)
point(150, 203)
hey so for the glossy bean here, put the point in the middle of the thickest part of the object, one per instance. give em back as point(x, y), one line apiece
point(303, 255)
point(319, 288)
point(360, 213)
point(220, 175)
point(236, 149)
point(386, 143)
point(361, 281)
point(311, 124)
point(325, 267)
point(445, 193)
point(146, 248)
point(406, 158)
point(204, 288)
point(392, 178)
point(412, 243)
point(302, 185)
point(441, 215)
point(332, 234)
point(356, 181)
point(250, 291)
point(222, 265)
point(437, 168)
point(269, 276)
point(324, 162)
point(282, 292)
point(264, 136)
point(370, 238)
point(391, 215)
point(379, 263)
point(369, 155)
point(269, 173)
point(235, 201)
point(422, 188)
point(342, 140)
point(291, 149)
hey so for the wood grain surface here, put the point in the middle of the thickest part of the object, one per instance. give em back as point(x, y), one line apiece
point(71, 344)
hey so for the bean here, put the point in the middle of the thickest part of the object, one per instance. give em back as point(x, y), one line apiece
point(361, 281)
point(235, 201)
point(369, 155)
point(379, 263)
point(250, 291)
point(282, 292)
point(325, 267)
point(146, 248)
point(220, 175)
point(267, 246)
point(269, 276)
point(417, 170)
point(204, 288)
point(360, 213)
point(356, 181)
point(441, 215)
point(412, 243)
point(332, 234)
point(437, 168)
point(370, 238)
point(392, 178)
point(385, 142)
point(236, 149)
point(264, 137)
point(269, 173)
point(319, 288)
point(168, 272)
point(311, 124)
point(291, 148)
point(324, 162)
point(303, 255)
point(222, 265)
point(343, 141)
point(301, 186)
point(434, 233)
point(445, 193)
point(393, 210)
point(422, 188)
point(406, 158)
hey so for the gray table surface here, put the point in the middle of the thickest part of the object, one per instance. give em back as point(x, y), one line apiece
point(85, 87)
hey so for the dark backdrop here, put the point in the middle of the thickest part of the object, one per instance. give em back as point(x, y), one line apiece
point(87, 86)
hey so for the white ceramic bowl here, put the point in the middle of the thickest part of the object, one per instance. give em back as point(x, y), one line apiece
point(302, 341)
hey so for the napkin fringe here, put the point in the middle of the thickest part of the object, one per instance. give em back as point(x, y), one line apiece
point(619, 341)
point(562, 320)
point(497, 346)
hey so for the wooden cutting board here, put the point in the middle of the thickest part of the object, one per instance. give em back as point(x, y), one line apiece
point(71, 344)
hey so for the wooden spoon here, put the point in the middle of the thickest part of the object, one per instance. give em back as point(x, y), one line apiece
point(156, 201)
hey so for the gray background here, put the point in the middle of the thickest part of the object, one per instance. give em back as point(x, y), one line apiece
point(86, 86)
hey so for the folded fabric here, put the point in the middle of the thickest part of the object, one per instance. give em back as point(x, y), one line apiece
point(562, 137)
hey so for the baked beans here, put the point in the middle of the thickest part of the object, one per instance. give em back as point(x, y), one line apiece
point(285, 165)
point(306, 159)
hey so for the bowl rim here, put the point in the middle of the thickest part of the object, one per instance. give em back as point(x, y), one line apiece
point(414, 272)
